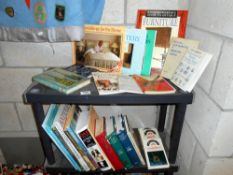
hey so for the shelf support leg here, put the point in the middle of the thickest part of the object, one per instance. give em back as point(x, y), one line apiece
point(45, 140)
point(176, 131)
point(162, 117)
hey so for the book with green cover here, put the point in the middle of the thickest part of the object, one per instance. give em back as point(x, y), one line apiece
point(115, 142)
point(61, 80)
point(150, 40)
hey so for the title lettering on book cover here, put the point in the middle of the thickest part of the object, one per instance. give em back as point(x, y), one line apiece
point(162, 13)
point(103, 29)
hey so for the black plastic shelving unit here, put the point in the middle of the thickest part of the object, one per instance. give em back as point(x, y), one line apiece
point(37, 95)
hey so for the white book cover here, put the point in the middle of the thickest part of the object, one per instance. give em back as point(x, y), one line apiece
point(176, 52)
point(83, 132)
point(155, 154)
point(112, 83)
point(58, 123)
point(190, 69)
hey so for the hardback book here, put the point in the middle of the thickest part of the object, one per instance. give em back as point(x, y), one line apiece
point(58, 124)
point(47, 126)
point(168, 24)
point(176, 52)
point(102, 47)
point(154, 151)
point(85, 129)
point(125, 141)
point(133, 139)
point(150, 40)
point(68, 128)
point(154, 85)
point(135, 40)
point(115, 142)
point(190, 69)
point(112, 83)
point(61, 80)
point(101, 137)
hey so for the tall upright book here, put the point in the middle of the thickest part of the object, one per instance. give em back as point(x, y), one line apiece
point(47, 126)
point(150, 40)
point(61, 80)
point(100, 135)
point(126, 142)
point(135, 40)
point(85, 129)
point(168, 24)
point(68, 128)
point(57, 126)
point(115, 142)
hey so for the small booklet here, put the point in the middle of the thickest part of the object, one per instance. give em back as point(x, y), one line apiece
point(155, 154)
point(112, 83)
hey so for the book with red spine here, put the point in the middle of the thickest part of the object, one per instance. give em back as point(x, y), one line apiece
point(100, 135)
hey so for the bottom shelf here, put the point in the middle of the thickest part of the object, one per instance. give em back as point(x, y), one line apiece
point(63, 166)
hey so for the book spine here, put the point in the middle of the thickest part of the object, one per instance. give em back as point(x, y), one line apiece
point(80, 150)
point(114, 141)
point(94, 149)
point(150, 40)
point(126, 143)
point(47, 127)
point(78, 142)
point(109, 151)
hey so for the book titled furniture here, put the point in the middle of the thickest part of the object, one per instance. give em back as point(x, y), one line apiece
point(38, 95)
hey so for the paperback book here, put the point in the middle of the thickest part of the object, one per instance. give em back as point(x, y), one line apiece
point(178, 48)
point(155, 154)
point(47, 126)
point(135, 40)
point(190, 69)
point(154, 85)
point(168, 24)
point(112, 83)
point(61, 80)
point(85, 129)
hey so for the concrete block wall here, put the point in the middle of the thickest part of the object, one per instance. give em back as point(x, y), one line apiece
point(206, 142)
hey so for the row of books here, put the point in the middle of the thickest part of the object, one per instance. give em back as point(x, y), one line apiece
point(90, 142)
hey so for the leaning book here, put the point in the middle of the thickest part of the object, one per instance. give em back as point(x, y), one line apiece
point(167, 24)
point(61, 80)
point(47, 126)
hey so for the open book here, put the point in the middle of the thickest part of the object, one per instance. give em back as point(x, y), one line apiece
point(112, 83)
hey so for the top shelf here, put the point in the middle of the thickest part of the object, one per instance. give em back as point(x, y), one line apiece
point(37, 93)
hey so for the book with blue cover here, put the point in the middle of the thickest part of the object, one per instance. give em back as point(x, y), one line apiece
point(125, 141)
point(47, 126)
point(134, 51)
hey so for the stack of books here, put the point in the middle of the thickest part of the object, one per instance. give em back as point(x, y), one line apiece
point(90, 142)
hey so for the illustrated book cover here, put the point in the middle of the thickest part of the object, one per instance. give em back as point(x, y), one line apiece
point(190, 69)
point(125, 141)
point(150, 41)
point(101, 137)
point(115, 142)
point(168, 24)
point(47, 126)
point(135, 40)
point(112, 83)
point(57, 126)
point(85, 129)
point(177, 50)
point(155, 154)
point(154, 85)
point(68, 128)
point(61, 80)
point(102, 47)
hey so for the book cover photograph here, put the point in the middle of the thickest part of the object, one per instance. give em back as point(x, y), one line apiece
point(168, 24)
point(101, 48)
